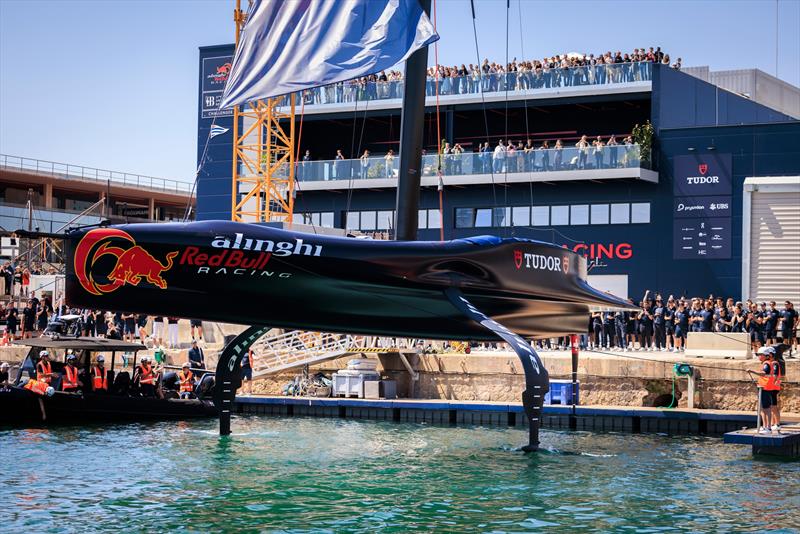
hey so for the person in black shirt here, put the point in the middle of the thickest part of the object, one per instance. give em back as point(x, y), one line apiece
point(620, 319)
point(28, 318)
point(788, 323)
point(597, 328)
point(100, 324)
point(738, 318)
point(706, 315)
point(752, 323)
point(646, 327)
point(12, 322)
point(722, 321)
point(608, 330)
point(681, 326)
point(771, 324)
point(631, 327)
point(669, 323)
point(196, 356)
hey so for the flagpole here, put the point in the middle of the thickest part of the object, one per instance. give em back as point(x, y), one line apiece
point(411, 123)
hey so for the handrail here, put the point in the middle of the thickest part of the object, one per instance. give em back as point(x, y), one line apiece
point(81, 172)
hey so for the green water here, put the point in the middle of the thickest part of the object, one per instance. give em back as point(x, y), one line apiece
point(328, 475)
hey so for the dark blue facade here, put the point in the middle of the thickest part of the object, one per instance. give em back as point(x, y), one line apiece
point(690, 117)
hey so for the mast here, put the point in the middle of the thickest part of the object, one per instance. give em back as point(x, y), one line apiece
point(412, 121)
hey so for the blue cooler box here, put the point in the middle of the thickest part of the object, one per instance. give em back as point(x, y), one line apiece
point(561, 392)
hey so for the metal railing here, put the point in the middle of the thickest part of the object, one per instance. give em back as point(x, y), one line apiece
point(296, 348)
point(79, 172)
point(474, 83)
point(569, 158)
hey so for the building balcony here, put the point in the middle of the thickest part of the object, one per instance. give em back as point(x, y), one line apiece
point(551, 165)
point(619, 78)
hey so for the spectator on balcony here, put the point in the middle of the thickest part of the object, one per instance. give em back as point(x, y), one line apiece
point(631, 158)
point(305, 166)
point(583, 151)
point(486, 158)
point(458, 160)
point(447, 156)
point(365, 163)
point(665, 60)
point(530, 156)
point(545, 148)
point(339, 165)
point(559, 155)
point(612, 151)
point(677, 64)
point(389, 158)
point(511, 157)
point(7, 274)
point(499, 157)
point(598, 152)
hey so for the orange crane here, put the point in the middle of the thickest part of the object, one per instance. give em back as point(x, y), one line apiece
point(263, 155)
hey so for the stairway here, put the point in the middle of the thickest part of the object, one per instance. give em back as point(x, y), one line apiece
point(297, 348)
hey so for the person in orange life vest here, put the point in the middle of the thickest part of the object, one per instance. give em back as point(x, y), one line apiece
point(44, 372)
point(774, 385)
point(768, 397)
point(146, 376)
point(100, 375)
point(186, 379)
point(70, 381)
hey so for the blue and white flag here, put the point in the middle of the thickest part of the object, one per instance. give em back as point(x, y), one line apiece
point(291, 45)
point(216, 130)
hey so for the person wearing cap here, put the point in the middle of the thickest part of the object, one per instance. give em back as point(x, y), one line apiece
point(186, 379)
point(768, 384)
point(146, 377)
point(44, 371)
point(196, 356)
point(681, 321)
point(70, 381)
point(100, 375)
point(771, 317)
point(669, 323)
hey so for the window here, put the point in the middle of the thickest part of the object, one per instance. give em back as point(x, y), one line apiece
point(640, 212)
point(352, 220)
point(368, 220)
point(620, 213)
point(560, 216)
point(385, 220)
point(521, 216)
point(501, 217)
point(434, 219)
point(579, 214)
point(541, 216)
point(483, 218)
point(422, 221)
point(465, 217)
point(599, 213)
point(327, 219)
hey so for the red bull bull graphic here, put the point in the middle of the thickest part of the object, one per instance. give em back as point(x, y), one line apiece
point(133, 263)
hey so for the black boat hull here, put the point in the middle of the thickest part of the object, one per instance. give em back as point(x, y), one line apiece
point(19, 406)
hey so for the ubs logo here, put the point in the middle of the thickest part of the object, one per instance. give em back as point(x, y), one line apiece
point(703, 168)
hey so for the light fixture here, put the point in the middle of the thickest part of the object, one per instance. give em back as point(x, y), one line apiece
point(711, 148)
point(691, 149)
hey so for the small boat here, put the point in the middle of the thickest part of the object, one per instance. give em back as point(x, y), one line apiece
point(122, 402)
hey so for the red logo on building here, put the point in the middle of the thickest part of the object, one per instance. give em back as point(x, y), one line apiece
point(133, 263)
point(703, 168)
point(518, 258)
point(221, 74)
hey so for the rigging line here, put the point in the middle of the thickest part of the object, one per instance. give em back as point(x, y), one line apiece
point(505, 117)
point(352, 156)
point(483, 98)
point(439, 174)
point(664, 361)
point(297, 159)
point(360, 144)
point(532, 154)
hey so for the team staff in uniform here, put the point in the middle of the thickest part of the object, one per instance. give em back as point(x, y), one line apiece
point(769, 385)
point(681, 327)
point(659, 328)
point(146, 377)
point(186, 379)
point(620, 320)
point(788, 323)
point(669, 323)
point(771, 323)
point(646, 326)
point(44, 371)
point(100, 375)
point(70, 383)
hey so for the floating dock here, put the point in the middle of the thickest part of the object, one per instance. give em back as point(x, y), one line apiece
point(594, 418)
point(786, 443)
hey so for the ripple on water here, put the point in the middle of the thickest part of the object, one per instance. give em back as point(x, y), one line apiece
point(322, 475)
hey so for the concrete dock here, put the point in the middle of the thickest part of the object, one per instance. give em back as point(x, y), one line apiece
point(786, 443)
point(595, 418)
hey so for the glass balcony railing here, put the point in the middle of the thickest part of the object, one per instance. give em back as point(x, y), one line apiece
point(541, 80)
point(474, 163)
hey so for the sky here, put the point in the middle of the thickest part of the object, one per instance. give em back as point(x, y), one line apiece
point(113, 84)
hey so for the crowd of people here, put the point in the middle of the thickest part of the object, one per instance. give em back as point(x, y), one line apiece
point(513, 156)
point(559, 70)
point(663, 325)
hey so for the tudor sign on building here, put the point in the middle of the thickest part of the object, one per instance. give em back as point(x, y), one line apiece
point(702, 203)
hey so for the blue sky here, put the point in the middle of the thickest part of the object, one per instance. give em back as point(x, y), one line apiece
point(113, 84)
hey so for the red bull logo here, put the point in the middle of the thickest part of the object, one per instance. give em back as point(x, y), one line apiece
point(133, 263)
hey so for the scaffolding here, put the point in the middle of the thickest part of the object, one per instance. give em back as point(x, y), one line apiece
point(263, 155)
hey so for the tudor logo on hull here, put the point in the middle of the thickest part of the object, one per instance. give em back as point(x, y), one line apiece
point(540, 262)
